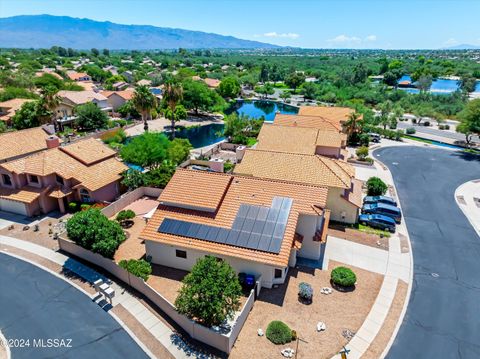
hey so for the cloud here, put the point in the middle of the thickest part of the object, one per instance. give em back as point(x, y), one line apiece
point(353, 41)
point(451, 42)
point(288, 35)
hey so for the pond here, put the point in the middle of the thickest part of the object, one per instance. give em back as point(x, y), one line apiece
point(439, 86)
point(201, 136)
point(258, 108)
point(477, 87)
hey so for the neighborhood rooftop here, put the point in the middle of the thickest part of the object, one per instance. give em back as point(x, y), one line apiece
point(307, 121)
point(297, 139)
point(20, 143)
point(300, 168)
point(333, 114)
point(234, 192)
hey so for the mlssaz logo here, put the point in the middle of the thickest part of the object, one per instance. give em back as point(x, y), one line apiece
point(52, 343)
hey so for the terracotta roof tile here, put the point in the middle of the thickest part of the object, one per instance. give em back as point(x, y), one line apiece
point(89, 151)
point(18, 143)
point(308, 169)
point(182, 190)
point(307, 121)
point(81, 97)
point(25, 194)
point(242, 190)
point(334, 114)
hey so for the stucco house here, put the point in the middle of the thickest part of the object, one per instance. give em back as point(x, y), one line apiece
point(48, 180)
point(17, 144)
point(303, 140)
point(9, 108)
point(259, 226)
point(344, 198)
point(117, 99)
point(78, 76)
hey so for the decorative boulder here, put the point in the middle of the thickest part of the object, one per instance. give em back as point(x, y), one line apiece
point(260, 332)
point(321, 326)
point(288, 352)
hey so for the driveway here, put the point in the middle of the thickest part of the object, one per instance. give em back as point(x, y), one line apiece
point(442, 319)
point(7, 219)
point(34, 304)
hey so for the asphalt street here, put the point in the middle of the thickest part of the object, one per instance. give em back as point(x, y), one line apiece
point(38, 310)
point(443, 315)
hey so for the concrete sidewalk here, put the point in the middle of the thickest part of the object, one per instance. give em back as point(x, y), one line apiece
point(393, 264)
point(169, 339)
point(467, 197)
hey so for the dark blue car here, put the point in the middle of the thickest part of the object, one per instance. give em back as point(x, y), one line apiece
point(377, 221)
point(380, 199)
point(383, 209)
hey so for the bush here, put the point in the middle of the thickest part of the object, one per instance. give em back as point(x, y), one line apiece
point(210, 292)
point(447, 127)
point(426, 123)
point(376, 187)
point(398, 135)
point(125, 214)
point(414, 120)
point(85, 207)
point(362, 153)
point(410, 131)
point(278, 332)
point(92, 230)
point(305, 292)
point(364, 139)
point(441, 127)
point(73, 207)
point(138, 267)
point(343, 276)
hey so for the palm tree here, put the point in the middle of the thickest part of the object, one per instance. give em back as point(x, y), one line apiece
point(172, 95)
point(144, 101)
point(353, 124)
point(49, 101)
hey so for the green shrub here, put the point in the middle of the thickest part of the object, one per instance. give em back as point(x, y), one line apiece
point(305, 291)
point(228, 166)
point(125, 214)
point(376, 187)
point(447, 127)
point(426, 123)
point(85, 206)
point(72, 207)
point(362, 153)
point(414, 120)
point(364, 139)
point(441, 127)
point(92, 230)
point(410, 131)
point(138, 267)
point(278, 332)
point(398, 135)
point(343, 276)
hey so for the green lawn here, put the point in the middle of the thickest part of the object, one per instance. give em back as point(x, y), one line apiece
point(371, 230)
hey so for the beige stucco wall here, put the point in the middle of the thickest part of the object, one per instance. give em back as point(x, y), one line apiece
point(307, 226)
point(328, 151)
point(338, 205)
point(115, 101)
point(165, 255)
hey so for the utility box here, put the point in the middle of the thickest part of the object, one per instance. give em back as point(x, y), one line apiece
point(216, 164)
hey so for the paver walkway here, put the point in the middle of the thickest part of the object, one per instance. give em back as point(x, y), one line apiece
point(158, 329)
point(468, 199)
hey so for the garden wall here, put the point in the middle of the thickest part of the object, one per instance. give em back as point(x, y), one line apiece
point(218, 340)
point(129, 198)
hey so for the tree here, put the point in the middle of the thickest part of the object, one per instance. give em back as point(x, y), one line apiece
point(49, 102)
point(353, 126)
point(385, 113)
point(148, 150)
point(210, 292)
point(179, 150)
point(144, 102)
point(92, 230)
point(390, 78)
point(197, 96)
point(294, 80)
point(424, 83)
point(376, 187)
point(285, 95)
point(180, 113)
point(26, 116)
point(172, 95)
point(263, 77)
point(229, 87)
point(309, 90)
point(106, 52)
point(90, 117)
point(133, 179)
point(470, 120)
point(95, 52)
point(240, 128)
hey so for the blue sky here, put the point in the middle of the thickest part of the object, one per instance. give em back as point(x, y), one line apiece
point(387, 24)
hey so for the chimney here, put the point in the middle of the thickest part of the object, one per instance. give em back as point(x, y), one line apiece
point(240, 151)
point(52, 141)
point(216, 165)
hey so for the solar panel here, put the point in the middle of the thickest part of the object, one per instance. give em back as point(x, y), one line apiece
point(254, 227)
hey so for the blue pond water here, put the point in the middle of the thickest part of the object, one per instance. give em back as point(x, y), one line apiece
point(257, 109)
point(203, 135)
point(477, 87)
point(438, 87)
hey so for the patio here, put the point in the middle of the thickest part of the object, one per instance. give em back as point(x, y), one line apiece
point(339, 311)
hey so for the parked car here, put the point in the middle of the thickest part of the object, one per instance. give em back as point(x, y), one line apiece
point(374, 137)
point(377, 221)
point(380, 199)
point(383, 209)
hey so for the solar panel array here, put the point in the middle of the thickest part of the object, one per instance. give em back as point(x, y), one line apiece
point(255, 227)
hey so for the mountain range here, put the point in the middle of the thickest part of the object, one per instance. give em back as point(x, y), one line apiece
point(463, 47)
point(44, 31)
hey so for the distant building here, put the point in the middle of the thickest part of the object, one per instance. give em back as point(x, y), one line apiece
point(9, 108)
point(78, 76)
point(117, 99)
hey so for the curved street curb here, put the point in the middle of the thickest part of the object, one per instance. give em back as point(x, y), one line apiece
point(458, 192)
point(410, 282)
point(76, 286)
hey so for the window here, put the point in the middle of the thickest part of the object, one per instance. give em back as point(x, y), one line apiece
point(278, 273)
point(33, 179)
point(59, 180)
point(181, 254)
point(6, 180)
point(85, 196)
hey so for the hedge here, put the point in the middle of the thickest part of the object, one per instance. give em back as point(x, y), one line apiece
point(138, 267)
